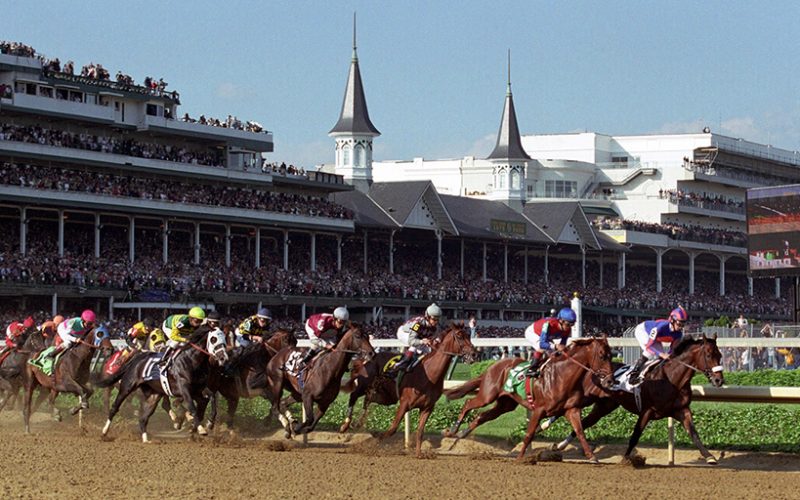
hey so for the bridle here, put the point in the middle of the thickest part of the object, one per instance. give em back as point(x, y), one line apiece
point(598, 373)
point(708, 371)
point(459, 342)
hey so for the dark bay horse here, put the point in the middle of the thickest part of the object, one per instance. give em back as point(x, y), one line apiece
point(187, 378)
point(559, 390)
point(249, 379)
point(321, 380)
point(419, 388)
point(71, 374)
point(12, 366)
point(665, 392)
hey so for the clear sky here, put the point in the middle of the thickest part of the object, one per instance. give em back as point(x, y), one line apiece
point(435, 71)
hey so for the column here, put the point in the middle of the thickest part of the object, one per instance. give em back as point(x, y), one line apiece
point(258, 249)
point(131, 238)
point(227, 245)
point(526, 264)
point(659, 269)
point(692, 256)
point(366, 250)
point(54, 304)
point(547, 264)
point(777, 288)
point(583, 266)
point(111, 308)
point(750, 286)
point(462, 258)
point(505, 262)
point(197, 243)
point(165, 242)
point(438, 254)
point(23, 230)
point(97, 228)
point(303, 312)
point(484, 261)
point(621, 271)
point(285, 250)
point(722, 260)
point(61, 234)
point(338, 252)
point(313, 251)
point(391, 252)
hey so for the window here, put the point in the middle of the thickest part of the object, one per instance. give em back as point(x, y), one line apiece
point(359, 157)
point(560, 189)
point(152, 110)
point(46, 92)
point(501, 180)
point(30, 89)
point(515, 179)
point(346, 156)
point(62, 94)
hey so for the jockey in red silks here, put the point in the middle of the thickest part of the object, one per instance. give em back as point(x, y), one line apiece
point(325, 330)
point(14, 331)
point(548, 334)
point(651, 334)
point(71, 330)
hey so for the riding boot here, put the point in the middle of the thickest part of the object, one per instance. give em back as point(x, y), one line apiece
point(309, 356)
point(404, 364)
point(533, 370)
point(166, 357)
point(634, 378)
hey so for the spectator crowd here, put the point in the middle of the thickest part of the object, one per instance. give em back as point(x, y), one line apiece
point(686, 232)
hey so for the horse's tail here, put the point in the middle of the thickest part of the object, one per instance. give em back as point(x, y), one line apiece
point(464, 389)
point(113, 379)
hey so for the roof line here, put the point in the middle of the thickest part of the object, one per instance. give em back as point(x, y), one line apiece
point(594, 236)
point(441, 203)
point(383, 210)
point(522, 213)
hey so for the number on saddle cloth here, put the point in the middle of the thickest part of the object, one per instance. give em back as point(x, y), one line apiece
point(516, 379)
point(293, 362)
point(387, 368)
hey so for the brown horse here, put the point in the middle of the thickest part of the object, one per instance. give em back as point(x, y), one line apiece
point(665, 392)
point(559, 390)
point(12, 364)
point(321, 380)
point(249, 378)
point(71, 374)
point(419, 388)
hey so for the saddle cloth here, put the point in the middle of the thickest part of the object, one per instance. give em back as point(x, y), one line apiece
point(515, 382)
point(46, 364)
point(152, 371)
point(623, 373)
point(294, 363)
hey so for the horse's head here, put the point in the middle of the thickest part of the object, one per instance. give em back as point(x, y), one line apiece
point(705, 357)
point(455, 340)
point(215, 345)
point(357, 341)
point(595, 354)
point(100, 338)
point(280, 339)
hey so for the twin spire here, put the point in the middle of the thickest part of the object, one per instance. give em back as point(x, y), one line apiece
point(509, 143)
point(354, 117)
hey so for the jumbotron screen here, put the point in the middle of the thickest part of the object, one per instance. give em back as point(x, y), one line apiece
point(773, 230)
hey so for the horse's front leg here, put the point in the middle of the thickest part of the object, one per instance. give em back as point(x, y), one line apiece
point(350, 406)
point(574, 417)
point(402, 409)
point(685, 416)
point(308, 410)
point(424, 413)
point(285, 416)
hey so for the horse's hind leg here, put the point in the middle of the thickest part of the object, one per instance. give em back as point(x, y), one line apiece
point(424, 413)
point(478, 401)
point(51, 399)
point(149, 406)
point(574, 417)
point(501, 406)
point(26, 402)
point(402, 409)
point(125, 389)
point(533, 424)
point(350, 406)
point(685, 416)
point(600, 409)
point(641, 423)
point(233, 404)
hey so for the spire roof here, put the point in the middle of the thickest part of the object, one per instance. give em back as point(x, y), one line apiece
point(509, 144)
point(354, 118)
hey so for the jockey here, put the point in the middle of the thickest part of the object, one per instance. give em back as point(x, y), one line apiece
point(416, 332)
point(49, 328)
point(544, 333)
point(71, 330)
point(139, 336)
point(214, 320)
point(651, 334)
point(14, 331)
point(253, 328)
point(321, 328)
point(178, 328)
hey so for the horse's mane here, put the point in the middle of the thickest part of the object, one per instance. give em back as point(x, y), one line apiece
point(198, 334)
point(684, 344)
point(454, 325)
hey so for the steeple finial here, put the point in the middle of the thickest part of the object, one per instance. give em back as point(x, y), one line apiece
point(508, 91)
point(355, 56)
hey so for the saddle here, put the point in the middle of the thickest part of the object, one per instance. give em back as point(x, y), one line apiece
point(622, 376)
point(46, 363)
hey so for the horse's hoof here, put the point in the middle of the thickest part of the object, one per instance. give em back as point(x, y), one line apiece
point(173, 416)
point(344, 428)
point(594, 461)
point(711, 461)
point(202, 430)
point(554, 447)
point(447, 433)
point(177, 426)
point(74, 410)
point(145, 439)
point(57, 417)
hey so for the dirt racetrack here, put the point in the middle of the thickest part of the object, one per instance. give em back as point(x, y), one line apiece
point(60, 461)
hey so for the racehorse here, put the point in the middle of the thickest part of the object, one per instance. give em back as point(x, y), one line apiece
point(559, 390)
point(70, 374)
point(665, 392)
point(12, 364)
point(419, 388)
point(317, 383)
point(249, 377)
point(187, 377)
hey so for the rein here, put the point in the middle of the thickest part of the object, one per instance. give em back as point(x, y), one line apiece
point(197, 347)
point(585, 367)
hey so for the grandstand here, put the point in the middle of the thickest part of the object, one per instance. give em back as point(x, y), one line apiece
point(110, 201)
